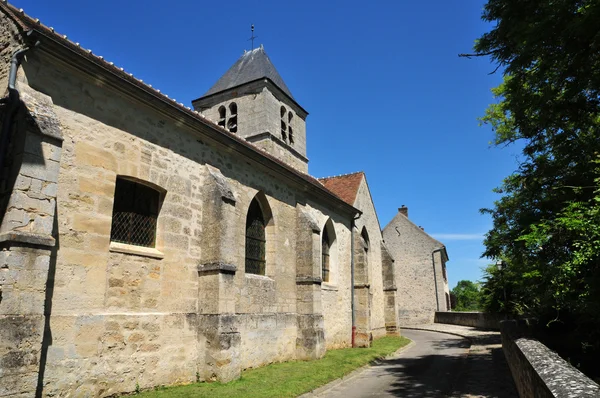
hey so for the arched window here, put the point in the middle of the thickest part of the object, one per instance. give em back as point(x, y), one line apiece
point(365, 238)
point(325, 247)
point(255, 239)
point(290, 131)
point(283, 124)
point(222, 116)
point(232, 122)
point(329, 253)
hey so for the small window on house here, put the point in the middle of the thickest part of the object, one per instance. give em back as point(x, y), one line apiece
point(222, 116)
point(255, 240)
point(325, 247)
point(283, 124)
point(135, 211)
point(232, 122)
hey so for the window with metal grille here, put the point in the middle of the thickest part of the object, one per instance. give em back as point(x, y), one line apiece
point(325, 246)
point(255, 240)
point(135, 212)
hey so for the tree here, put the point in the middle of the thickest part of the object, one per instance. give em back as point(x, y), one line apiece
point(546, 224)
point(467, 296)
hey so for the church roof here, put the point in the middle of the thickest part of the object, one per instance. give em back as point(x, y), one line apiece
point(345, 186)
point(251, 66)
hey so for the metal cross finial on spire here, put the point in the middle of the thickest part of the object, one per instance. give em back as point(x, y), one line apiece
point(253, 37)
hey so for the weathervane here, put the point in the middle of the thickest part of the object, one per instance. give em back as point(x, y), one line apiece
point(253, 37)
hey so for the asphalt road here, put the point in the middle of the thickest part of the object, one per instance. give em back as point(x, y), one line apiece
point(430, 368)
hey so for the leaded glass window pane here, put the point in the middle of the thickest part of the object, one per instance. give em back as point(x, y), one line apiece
point(325, 246)
point(255, 240)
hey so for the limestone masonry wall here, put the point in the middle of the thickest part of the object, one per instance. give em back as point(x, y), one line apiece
point(374, 278)
point(258, 114)
point(121, 315)
point(412, 250)
point(480, 320)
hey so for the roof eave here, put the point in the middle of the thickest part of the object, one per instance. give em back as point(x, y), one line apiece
point(250, 82)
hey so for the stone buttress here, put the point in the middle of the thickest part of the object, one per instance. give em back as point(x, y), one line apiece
point(217, 321)
point(28, 244)
point(389, 290)
point(362, 296)
point(311, 336)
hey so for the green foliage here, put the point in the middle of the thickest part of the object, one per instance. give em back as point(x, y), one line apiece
point(467, 295)
point(289, 379)
point(546, 225)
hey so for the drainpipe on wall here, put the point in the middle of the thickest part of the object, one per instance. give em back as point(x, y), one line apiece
point(437, 300)
point(352, 278)
point(12, 101)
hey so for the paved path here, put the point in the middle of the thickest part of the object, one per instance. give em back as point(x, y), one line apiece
point(437, 365)
point(427, 369)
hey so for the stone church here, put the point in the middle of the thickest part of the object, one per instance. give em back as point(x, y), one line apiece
point(148, 243)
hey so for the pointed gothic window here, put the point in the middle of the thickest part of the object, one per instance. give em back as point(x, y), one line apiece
point(283, 124)
point(366, 244)
point(325, 247)
point(255, 240)
point(232, 122)
point(222, 116)
point(365, 238)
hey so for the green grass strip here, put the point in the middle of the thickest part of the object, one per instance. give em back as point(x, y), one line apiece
point(288, 379)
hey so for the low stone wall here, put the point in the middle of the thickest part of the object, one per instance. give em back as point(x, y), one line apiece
point(479, 320)
point(539, 372)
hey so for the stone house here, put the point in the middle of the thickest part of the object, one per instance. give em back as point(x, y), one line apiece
point(421, 264)
point(147, 243)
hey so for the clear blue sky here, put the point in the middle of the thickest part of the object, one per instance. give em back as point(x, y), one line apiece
point(385, 89)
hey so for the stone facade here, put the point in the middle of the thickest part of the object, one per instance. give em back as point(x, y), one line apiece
point(84, 315)
point(420, 270)
point(374, 281)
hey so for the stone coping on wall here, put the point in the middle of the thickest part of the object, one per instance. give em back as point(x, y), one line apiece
point(481, 320)
point(539, 371)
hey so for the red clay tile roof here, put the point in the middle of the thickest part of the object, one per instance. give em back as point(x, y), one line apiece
point(345, 186)
point(27, 23)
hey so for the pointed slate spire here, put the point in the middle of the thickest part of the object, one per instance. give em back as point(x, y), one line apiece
point(251, 66)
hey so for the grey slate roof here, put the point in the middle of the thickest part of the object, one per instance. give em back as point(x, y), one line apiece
point(253, 65)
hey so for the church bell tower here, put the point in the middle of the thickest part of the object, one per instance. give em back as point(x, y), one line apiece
point(252, 100)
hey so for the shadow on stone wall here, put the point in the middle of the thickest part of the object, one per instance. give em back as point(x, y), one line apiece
point(47, 336)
